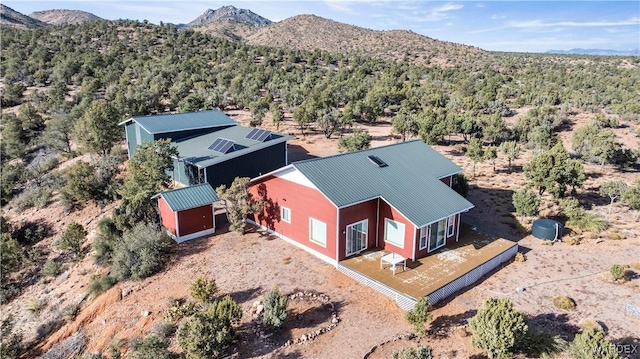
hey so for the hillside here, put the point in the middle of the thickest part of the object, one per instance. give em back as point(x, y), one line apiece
point(63, 16)
point(310, 32)
point(228, 29)
point(12, 18)
point(231, 13)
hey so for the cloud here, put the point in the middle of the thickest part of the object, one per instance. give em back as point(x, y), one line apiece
point(497, 17)
point(541, 25)
point(436, 14)
point(340, 6)
point(447, 7)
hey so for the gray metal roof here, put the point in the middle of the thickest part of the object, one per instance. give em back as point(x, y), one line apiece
point(182, 121)
point(181, 199)
point(410, 181)
point(195, 150)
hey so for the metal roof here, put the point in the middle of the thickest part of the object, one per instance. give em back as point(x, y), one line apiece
point(410, 182)
point(195, 150)
point(189, 197)
point(164, 123)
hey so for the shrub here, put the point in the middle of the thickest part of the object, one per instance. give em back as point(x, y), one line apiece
point(51, 268)
point(580, 218)
point(31, 232)
point(498, 328)
point(541, 344)
point(71, 311)
point(418, 315)
point(179, 311)
point(11, 343)
point(563, 302)
point(414, 353)
point(113, 348)
point(106, 240)
point(526, 203)
point(164, 329)
point(204, 290)
point(140, 253)
point(617, 271)
point(275, 308)
point(151, 347)
point(35, 306)
point(591, 344)
point(519, 257)
point(460, 184)
point(32, 197)
point(100, 285)
point(72, 238)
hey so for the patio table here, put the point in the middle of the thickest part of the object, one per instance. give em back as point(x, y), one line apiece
point(393, 259)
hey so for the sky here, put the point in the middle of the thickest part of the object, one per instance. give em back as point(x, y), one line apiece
point(520, 26)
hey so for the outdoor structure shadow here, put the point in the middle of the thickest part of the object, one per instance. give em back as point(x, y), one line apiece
point(298, 153)
point(439, 327)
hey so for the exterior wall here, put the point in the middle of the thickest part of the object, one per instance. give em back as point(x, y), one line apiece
point(449, 240)
point(452, 239)
point(356, 213)
point(167, 216)
point(304, 202)
point(133, 140)
point(386, 211)
point(250, 165)
point(185, 173)
point(196, 220)
point(446, 180)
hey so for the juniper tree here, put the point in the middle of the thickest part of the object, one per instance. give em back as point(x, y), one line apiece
point(613, 190)
point(498, 328)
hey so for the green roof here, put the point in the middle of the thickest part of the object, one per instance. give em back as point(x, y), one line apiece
point(195, 150)
point(410, 181)
point(189, 197)
point(182, 121)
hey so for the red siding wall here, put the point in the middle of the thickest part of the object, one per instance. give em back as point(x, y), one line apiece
point(446, 180)
point(195, 219)
point(449, 240)
point(167, 216)
point(304, 202)
point(356, 213)
point(386, 211)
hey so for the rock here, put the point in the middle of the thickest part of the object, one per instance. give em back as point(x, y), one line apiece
point(303, 337)
point(126, 291)
point(334, 320)
point(145, 313)
point(259, 308)
point(256, 303)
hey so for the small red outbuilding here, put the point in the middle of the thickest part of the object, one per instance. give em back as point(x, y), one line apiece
point(188, 212)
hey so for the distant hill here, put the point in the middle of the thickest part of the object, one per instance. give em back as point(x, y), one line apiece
point(228, 29)
point(230, 13)
point(62, 16)
point(310, 32)
point(599, 52)
point(12, 18)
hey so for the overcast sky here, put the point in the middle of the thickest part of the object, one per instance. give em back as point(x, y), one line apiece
point(524, 26)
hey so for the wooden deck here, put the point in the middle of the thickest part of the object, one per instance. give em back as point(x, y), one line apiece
point(439, 274)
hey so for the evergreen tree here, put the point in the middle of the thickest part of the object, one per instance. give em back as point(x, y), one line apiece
point(97, 130)
point(475, 152)
point(511, 149)
point(613, 189)
point(498, 328)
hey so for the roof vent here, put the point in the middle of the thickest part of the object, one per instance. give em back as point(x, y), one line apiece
point(258, 134)
point(377, 161)
point(222, 145)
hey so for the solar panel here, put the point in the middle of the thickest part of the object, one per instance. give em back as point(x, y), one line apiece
point(263, 135)
point(215, 143)
point(227, 146)
point(253, 132)
point(377, 161)
point(221, 145)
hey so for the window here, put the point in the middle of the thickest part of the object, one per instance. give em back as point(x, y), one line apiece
point(394, 232)
point(436, 235)
point(424, 235)
point(285, 214)
point(318, 232)
point(451, 225)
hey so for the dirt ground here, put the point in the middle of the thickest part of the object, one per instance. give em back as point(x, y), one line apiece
point(246, 266)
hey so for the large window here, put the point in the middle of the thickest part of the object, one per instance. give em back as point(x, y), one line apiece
point(285, 214)
point(424, 237)
point(318, 232)
point(451, 225)
point(436, 235)
point(394, 232)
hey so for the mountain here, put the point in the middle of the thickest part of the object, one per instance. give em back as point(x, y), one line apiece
point(310, 32)
point(230, 13)
point(12, 18)
point(228, 29)
point(598, 52)
point(62, 16)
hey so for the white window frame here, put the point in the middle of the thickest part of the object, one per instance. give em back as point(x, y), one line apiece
point(320, 242)
point(424, 234)
point(399, 225)
point(282, 216)
point(451, 226)
point(444, 239)
point(365, 223)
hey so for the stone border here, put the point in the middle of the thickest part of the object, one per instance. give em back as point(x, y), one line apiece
point(408, 336)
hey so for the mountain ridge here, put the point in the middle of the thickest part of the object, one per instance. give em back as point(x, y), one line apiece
point(596, 52)
point(232, 13)
point(63, 16)
point(12, 18)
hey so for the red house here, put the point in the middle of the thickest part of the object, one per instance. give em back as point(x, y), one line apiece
point(397, 198)
point(187, 213)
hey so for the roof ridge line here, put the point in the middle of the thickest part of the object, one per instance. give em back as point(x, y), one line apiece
point(358, 151)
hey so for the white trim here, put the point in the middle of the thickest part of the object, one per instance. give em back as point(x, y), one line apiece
point(459, 217)
point(413, 258)
point(451, 226)
point(403, 215)
point(360, 202)
point(126, 135)
point(444, 242)
point(337, 235)
point(463, 211)
point(385, 232)
point(282, 209)
point(318, 255)
point(366, 232)
point(312, 240)
point(451, 174)
point(272, 173)
point(193, 235)
point(377, 221)
point(426, 242)
point(175, 215)
point(294, 176)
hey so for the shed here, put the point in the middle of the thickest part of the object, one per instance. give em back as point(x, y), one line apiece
point(188, 212)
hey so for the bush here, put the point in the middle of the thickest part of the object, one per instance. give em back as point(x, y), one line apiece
point(498, 328)
point(460, 184)
point(414, 353)
point(100, 285)
point(164, 329)
point(71, 311)
point(106, 240)
point(418, 315)
point(591, 344)
point(32, 197)
point(140, 253)
point(72, 238)
point(35, 306)
point(51, 268)
point(275, 308)
point(151, 347)
point(541, 344)
point(617, 271)
point(563, 302)
point(31, 232)
point(179, 311)
point(519, 257)
point(11, 343)
point(526, 203)
point(204, 290)
point(580, 218)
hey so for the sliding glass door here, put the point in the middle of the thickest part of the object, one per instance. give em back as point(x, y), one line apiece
point(357, 237)
point(437, 236)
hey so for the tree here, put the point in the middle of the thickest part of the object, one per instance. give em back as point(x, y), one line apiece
point(613, 190)
point(460, 184)
point(147, 175)
point(204, 290)
point(57, 132)
point(511, 149)
point(475, 152)
point(631, 198)
point(97, 130)
point(404, 123)
point(419, 315)
point(593, 142)
point(277, 114)
point(359, 140)
point(79, 181)
point(11, 343)
point(498, 328)
point(275, 308)
point(491, 154)
point(553, 171)
point(140, 253)
point(239, 202)
point(14, 140)
point(11, 253)
point(592, 344)
point(526, 202)
point(494, 129)
point(32, 122)
point(72, 238)
point(328, 121)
